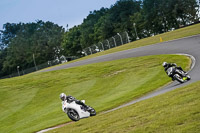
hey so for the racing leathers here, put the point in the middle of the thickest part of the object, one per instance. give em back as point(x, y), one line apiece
point(70, 99)
point(171, 65)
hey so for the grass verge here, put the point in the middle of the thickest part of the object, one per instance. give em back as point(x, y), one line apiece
point(176, 111)
point(31, 102)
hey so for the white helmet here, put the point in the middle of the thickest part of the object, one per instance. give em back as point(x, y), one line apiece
point(164, 64)
point(62, 96)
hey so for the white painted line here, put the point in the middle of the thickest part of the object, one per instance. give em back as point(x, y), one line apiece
point(192, 58)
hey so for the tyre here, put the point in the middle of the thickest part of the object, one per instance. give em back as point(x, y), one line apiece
point(92, 112)
point(178, 78)
point(188, 77)
point(73, 115)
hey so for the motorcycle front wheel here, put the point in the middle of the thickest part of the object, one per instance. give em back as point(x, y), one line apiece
point(73, 115)
point(178, 78)
point(92, 112)
point(188, 77)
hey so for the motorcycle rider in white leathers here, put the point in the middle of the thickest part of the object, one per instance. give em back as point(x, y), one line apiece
point(70, 99)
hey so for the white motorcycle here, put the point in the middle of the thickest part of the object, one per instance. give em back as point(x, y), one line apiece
point(76, 112)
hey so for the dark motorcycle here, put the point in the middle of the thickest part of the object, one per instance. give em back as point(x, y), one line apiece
point(178, 74)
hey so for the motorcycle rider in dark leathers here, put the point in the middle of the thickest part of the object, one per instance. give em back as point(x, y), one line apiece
point(168, 65)
point(70, 99)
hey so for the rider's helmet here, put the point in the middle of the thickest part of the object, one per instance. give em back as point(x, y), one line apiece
point(62, 96)
point(164, 64)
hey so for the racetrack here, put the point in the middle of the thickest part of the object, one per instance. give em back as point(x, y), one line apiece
point(189, 46)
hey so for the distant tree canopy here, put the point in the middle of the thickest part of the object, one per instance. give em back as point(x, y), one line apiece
point(21, 41)
point(151, 17)
point(48, 41)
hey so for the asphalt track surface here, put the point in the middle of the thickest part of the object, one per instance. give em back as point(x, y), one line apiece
point(189, 46)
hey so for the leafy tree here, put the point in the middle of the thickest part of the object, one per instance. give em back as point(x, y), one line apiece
point(71, 42)
point(43, 39)
point(102, 24)
point(87, 27)
point(164, 15)
point(3, 53)
point(140, 26)
point(103, 29)
point(9, 32)
point(47, 41)
point(186, 11)
point(120, 12)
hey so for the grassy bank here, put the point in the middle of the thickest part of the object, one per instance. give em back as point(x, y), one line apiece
point(31, 102)
point(176, 111)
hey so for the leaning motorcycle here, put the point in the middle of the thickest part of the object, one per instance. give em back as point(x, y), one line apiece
point(76, 112)
point(178, 74)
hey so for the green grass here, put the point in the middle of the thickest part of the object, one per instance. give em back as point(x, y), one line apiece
point(31, 102)
point(177, 111)
point(176, 34)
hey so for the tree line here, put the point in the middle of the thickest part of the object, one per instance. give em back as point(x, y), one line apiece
point(48, 41)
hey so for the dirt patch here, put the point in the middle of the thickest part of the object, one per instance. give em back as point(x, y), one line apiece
point(114, 73)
